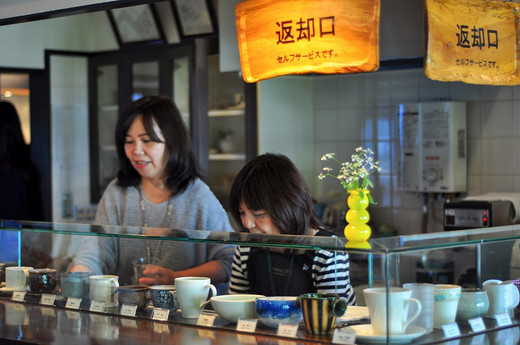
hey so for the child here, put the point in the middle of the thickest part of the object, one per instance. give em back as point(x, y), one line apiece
point(270, 196)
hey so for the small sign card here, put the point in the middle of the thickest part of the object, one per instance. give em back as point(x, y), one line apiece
point(206, 320)
point(478, 339)
point(287, 330)
point(159, 327)
point(451, 330)
point(18, 296)
point(72, 315)
point(160, 314)
point(246, 325)
point(49, 312)
point(73, 303)
point(344, 336)
point(128, 310)
point(97, 306)
point(47, 299)
point(477, 324)
point(503, 320)
point(246, 339)
point(128, 323)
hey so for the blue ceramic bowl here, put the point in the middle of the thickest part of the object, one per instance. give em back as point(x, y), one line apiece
point(274, 310)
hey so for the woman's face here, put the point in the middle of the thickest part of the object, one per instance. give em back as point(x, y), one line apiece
point(147, 157)
point(257, 221)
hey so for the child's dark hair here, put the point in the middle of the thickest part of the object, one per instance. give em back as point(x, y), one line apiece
point(271, 182)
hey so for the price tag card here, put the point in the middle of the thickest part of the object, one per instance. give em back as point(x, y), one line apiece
point(503, 319)
point(128, 310)
point(287, 330)
point(98, 318)
point(72, 315)
point(451, 330)
point(477, 325)
point(128, 323)
point(246, 325)
point(344, 336)
point(19, 308)
point(206, 320)
point(47, 299)
point(73, 303)
point(97, 306)
point(18, 296)
point(161, 327)
point(49, 312)
point(160, 314)
point(287, 342)
point(478, 339)
point(246, 339)
point(206, 333)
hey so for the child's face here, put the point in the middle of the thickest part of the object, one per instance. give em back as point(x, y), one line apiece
point(257, 221)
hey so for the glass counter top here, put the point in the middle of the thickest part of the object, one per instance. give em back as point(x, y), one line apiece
point(384, 245)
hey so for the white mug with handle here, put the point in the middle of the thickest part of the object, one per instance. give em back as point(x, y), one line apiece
point(503, 297)
point(192, 294)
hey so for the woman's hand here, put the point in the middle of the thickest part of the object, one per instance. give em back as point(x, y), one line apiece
point(157, 275)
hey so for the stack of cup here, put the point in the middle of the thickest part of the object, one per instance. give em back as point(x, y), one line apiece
point(424, 293)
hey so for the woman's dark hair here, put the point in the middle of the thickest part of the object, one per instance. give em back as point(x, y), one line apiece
point(181, 166)
point(272, 183)
point(14, 152)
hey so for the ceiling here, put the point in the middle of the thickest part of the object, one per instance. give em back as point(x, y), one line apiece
point(15, 11)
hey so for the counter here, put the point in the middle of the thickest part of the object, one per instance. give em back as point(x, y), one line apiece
point(381, 262)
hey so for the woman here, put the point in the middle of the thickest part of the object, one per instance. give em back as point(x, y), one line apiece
point(19, 179)
point(270, 196)
point(157, 185)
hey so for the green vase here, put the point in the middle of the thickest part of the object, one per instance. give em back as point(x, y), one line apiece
point(357, 216)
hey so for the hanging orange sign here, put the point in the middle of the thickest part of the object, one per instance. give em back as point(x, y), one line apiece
point(285, 37)
point(473, 41)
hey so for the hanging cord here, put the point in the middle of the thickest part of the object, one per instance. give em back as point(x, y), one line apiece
point(271, 278)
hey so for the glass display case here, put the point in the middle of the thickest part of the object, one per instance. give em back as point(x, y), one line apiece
point(466, 258)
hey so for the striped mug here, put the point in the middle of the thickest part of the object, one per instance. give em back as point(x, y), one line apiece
point(320, 310)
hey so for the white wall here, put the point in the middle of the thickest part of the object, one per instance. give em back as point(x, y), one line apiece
point(70, 167)
point(23, 45)
point(359, 109)
point(285, 120)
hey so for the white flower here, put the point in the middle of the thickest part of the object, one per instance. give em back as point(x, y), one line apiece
point(353, 175)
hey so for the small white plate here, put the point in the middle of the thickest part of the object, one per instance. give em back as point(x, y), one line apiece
point(365, 333)
point(5, 289)
point(353, 313)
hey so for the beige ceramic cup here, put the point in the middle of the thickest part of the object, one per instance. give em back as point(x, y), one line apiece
point(399, 300)
point(104, 288)
point(445, 301)
point(17, 277)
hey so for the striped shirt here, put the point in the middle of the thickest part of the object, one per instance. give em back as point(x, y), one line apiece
point(329, 273)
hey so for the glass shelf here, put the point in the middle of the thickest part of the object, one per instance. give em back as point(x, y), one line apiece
point(382, 246)
point(227, 112)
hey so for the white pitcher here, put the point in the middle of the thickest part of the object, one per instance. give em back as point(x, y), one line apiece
point(503, 297)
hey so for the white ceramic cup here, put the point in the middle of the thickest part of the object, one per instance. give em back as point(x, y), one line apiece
point(446, 299)
point(424, 293)
point(103, 288)
point(399, 299)
point(192, 293)
point(503, 297)
point(16, 314)
point(17, 277)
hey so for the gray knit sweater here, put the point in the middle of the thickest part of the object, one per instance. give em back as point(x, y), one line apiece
point(194, 209)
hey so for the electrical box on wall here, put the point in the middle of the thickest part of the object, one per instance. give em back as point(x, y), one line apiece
point(432, 143)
